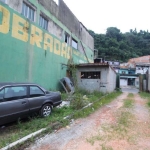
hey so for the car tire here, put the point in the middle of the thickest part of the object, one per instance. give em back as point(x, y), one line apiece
point(46, 110)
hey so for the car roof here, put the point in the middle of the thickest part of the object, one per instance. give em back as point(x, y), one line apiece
point(14, 83)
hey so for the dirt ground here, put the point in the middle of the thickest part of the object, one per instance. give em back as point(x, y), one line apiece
point(112, 127)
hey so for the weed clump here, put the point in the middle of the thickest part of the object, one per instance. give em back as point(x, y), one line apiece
point(79, 102)
point(128, 103)
point(146, 96)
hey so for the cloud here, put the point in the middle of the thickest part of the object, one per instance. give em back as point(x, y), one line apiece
point(97, 15)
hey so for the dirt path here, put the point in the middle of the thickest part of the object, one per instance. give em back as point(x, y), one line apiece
point(112, 127)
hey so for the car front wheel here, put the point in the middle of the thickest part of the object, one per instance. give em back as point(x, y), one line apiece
point(46, 110)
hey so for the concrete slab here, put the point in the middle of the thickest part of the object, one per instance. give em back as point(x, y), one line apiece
point(129, 89)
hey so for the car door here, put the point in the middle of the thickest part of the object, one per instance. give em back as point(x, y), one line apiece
point(14, 104)
point(36, 98)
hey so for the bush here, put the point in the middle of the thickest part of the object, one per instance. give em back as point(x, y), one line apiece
point(82, 91)
point(78, 102)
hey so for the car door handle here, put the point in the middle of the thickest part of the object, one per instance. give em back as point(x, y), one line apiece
point(24, 102)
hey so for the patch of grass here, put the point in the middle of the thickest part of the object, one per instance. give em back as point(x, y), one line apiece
point(130, 95)
point(146, 96)
point(78, 102)
point(124, 119)
point(104, 147)
point(48, 130)
point(82, 91)
point(23, 128)
point(95, 95)
point(128, 103)
point(124, 122)
point(94, 138)
point(96, 105)
point(98, 137)
point(148, 103)
point(119, 130)
point(64, 96)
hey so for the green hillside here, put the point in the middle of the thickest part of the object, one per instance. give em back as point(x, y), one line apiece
point(115, 45)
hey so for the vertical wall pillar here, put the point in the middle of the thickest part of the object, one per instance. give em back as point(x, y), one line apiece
point(149, 79)
point(141, 82)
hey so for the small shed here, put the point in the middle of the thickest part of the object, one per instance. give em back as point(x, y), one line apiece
point(96, 77)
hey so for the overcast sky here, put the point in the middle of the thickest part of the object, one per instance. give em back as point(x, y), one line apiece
point(97, 15)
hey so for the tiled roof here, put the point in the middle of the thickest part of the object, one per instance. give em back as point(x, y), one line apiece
point(134, 61)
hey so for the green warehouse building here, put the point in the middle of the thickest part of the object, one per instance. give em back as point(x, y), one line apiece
point(38, 38)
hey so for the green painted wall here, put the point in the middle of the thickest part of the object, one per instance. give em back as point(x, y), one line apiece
point(21, 61)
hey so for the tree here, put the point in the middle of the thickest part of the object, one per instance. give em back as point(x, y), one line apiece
point(117, 46)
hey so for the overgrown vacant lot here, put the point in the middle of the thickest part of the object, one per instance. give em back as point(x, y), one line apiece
point(124, 124)
point(21, 128)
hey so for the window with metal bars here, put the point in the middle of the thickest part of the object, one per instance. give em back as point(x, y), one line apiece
point(4, 1)
point(28, 11)
point(74, 44)
point(91, 75)
point(67, 38)
point(43, 22)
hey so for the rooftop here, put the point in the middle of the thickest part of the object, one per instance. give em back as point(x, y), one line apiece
point(93, 65)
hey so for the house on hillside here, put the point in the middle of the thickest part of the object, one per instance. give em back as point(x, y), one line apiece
point(126, 71)
point(96, 77)
point(143, 59)
point(114, 64)
point(142, 68)
point(128, 77)
point(132, 62)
